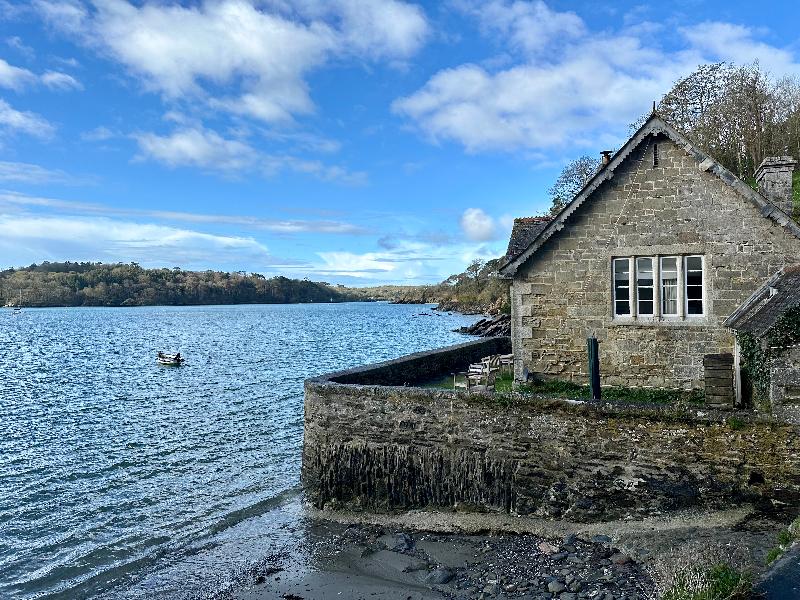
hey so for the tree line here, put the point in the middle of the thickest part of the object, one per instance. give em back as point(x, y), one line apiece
point(100, 284)
point(478, 289)
point(739, 114)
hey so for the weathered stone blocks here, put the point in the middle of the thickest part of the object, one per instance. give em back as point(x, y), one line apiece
point(393, 447)
point(675, 208)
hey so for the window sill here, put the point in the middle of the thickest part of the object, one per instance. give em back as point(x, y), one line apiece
point(700, 321)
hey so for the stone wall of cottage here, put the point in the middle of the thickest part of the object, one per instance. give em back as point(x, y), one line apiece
point(785, 386)
point(564, 292)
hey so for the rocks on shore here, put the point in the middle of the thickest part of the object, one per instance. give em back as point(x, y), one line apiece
point(510, 566)
point(489, 327)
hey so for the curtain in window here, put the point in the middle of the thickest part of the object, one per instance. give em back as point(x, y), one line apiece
point(670, 295)
point(669, 286)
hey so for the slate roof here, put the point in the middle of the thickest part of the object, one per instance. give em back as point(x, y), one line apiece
point(653, 126)
point(768, 303)
point(523, 233)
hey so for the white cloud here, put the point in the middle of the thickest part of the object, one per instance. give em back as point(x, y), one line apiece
point(192, 52)
point(528, 26)
point(17, 44)
point(57, 80)
point(736, 43)
point(355, 265)
point(380, 28)
point(115, 240)
point(10, 200)
point(33, 174)
point(316, 168)
point(571, 86)
point(98, 134)
point(478, 226)
point(15, 78)
point(23, 122)
point(199, 148)
point(406, 262)
point(69, 15)
point(196, 146)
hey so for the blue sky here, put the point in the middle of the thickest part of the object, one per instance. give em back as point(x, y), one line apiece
point(351, 141)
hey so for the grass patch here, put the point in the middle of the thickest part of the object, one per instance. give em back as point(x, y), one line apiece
point(773, 555)
point(556, 389)
point(785, 539)
point(503, 383)
point(720, 582)
point(445, 382)
point(736, 424)
point(574, 391)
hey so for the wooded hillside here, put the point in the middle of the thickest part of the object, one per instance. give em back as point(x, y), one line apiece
point(477, 290)
point(98, 284)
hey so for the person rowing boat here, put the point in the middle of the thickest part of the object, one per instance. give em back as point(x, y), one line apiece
point(174, 360)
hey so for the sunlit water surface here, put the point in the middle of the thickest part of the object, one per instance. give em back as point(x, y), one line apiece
point(120, 478)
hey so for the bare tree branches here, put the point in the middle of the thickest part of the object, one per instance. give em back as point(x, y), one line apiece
point(740, 114)
point(571, 180)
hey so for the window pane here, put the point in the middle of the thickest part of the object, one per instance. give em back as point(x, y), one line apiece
point(694, 285)
point(694, 263)
point(622, 304)
point(621, 269)
point(694, 278)
point(644, 285)
point(669, 285)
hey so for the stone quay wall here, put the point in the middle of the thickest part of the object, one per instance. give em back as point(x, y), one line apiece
point(393, 447)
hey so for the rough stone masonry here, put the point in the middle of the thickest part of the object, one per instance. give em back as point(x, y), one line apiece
point(391, 446)
point(562, 294)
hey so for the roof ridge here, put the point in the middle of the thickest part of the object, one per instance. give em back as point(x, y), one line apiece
point(653, 125)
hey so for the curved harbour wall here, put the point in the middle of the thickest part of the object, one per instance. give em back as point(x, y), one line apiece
point(373, 443)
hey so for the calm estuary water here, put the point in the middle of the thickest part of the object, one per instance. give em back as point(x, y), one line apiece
point(120, 478)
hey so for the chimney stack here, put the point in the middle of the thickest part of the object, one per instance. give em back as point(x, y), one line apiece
point(774, 179)
point(605, 157)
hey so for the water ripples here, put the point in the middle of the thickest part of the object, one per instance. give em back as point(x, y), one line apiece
point(116, 473)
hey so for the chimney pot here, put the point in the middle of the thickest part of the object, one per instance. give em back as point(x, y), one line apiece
point(605, 157)
point(774, 179)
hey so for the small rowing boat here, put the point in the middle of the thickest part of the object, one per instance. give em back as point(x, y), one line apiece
point(170, 360)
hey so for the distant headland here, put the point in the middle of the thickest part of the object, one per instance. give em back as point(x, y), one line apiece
point(62, 284)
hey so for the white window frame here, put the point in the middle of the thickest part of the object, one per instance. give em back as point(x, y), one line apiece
point(652, 287)
point(661, 313)
point(630, 313)
point(657, 267)
point(702, 285)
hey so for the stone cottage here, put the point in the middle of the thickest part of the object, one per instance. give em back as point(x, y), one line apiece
point(652, 256)
point(757, 317)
